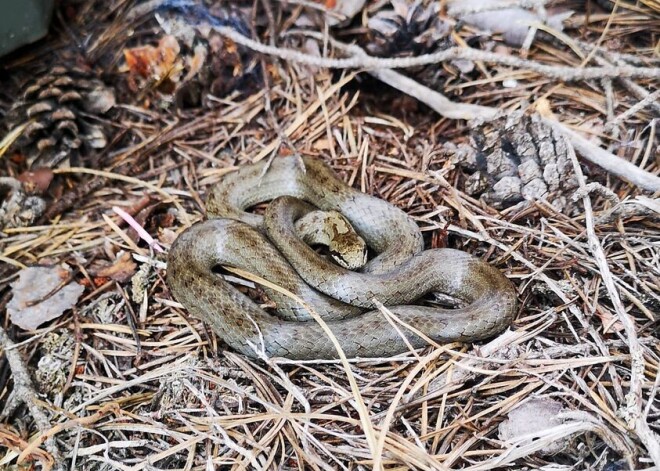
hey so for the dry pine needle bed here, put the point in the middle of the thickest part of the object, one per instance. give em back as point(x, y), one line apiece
point(533, 149)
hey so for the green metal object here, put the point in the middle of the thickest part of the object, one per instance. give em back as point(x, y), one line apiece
point(23, 22)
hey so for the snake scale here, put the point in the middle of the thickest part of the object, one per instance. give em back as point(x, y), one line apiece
point(267, 246)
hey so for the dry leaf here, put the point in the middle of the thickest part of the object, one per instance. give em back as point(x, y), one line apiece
point(156, 62)
point(36, 181)
point(494, 16)
point(533, 417)
point(122, 270)
point(100, 100)
point(610, 321)
point(37, 284)
point(196, 62)
point(167, 236)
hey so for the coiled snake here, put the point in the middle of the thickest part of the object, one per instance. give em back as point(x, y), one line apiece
point(268, 247)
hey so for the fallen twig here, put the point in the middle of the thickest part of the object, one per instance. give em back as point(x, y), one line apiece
point(632, 87)
point(24, 392)
point(641, 206)
point(610, 162)
point(650, 99)
point(367, 62)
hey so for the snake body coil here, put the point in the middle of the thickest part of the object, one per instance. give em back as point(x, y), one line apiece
point(268, 246)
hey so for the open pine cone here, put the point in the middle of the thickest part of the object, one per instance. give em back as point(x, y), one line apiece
point(59, 108)
point(517, 157)
point(407, 29)
point(411, 29)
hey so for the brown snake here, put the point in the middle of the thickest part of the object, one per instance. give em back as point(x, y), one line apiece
point(268, 247)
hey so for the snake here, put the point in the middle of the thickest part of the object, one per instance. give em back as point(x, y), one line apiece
point(376, 310)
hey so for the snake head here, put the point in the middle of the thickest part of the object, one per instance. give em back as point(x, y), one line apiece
point(348, 250)
point(332, 230)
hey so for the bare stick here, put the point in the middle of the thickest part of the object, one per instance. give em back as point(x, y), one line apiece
point(650, 99)
point(436, 101)
point(369, 63)
point(631, 86)
point(619, 57)
point(607, 160)
point(449, 109)
point(24, 392)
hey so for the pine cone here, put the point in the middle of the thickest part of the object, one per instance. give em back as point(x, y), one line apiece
point(408, 29)
point(411, 29)
point(516, 158)
point(59, 107)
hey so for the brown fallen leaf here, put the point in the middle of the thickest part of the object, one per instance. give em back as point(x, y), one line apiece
point(15, 443)
point(534, 416)
point(610, 322)
point(96, 282)
point(38, 295)
point(121, 270)
point(157, 62)
point(36, 181)
point(167, 236)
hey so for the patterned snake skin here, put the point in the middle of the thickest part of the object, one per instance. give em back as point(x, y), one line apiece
point(268, 246)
